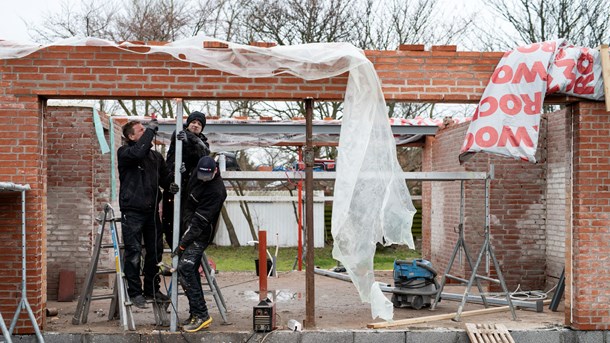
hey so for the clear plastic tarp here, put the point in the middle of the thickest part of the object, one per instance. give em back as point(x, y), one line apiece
point(372, 203)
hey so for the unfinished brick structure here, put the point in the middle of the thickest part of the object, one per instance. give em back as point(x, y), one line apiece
point(409, 75)
point(527, 206)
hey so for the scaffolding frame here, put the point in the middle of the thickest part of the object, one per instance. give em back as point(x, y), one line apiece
point(23, 303)
point(486, 249)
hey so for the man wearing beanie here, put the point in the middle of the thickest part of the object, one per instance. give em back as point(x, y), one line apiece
point(194, 146)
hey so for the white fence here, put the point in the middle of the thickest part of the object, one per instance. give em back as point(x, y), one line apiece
point(274, 212)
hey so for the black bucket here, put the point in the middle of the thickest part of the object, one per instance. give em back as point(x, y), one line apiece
point(269, 267)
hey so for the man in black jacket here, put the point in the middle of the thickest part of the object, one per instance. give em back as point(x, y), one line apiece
point(206, 194)
point(141, 172)
point(194, 146)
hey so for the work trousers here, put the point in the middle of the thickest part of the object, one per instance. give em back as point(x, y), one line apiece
point(135, 227)
point(188, 270)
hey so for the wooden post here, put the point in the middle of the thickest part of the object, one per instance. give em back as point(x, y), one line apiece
point(603, 52)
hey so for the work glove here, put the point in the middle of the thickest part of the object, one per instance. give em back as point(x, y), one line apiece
point(181, 136)
point(153, 125)
point(174, 188)
point(178, 251)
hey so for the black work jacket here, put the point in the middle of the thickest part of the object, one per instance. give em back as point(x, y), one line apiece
point(191, 153)
point(202, 209)
point(141, 172)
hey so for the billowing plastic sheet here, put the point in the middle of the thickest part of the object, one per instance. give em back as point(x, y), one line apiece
point(372, 202)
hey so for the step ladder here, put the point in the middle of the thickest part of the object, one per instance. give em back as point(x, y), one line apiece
point(121, 304)
point(160, 310)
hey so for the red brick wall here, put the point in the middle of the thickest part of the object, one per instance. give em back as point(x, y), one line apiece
point(97, 72)
point(517, 208)
point(587, 260)
point(22, 162)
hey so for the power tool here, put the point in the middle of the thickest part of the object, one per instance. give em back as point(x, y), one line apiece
point(415, 283)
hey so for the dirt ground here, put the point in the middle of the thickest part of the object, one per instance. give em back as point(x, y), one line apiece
point(337, 307)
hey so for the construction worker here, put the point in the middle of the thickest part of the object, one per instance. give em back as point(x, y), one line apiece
point(141, 172)
point(194, 146)
point(206, 195)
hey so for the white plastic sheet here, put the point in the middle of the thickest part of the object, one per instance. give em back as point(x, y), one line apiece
point(372, 202)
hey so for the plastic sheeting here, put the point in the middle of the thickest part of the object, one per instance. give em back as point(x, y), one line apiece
point(372, 202)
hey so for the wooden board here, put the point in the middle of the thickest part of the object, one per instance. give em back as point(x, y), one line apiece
point(605, 58)
point(488, 333)
point(437, 317)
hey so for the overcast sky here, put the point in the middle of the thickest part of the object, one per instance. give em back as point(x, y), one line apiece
point(14, 12)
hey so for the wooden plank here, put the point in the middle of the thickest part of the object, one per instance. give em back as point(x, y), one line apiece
point(488, 333)
point(603, 52)
point(437, 317)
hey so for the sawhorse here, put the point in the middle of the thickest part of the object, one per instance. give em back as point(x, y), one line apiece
point(486, 250)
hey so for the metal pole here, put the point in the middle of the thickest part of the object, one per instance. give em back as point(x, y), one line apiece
point(300, 212)
point(176, 234)
point(262, 265)
point(461, 224)
point(24, 304)
point(487, 215)
point(310, 305)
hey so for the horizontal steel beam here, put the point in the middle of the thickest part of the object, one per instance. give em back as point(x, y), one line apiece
point(294, 128)
point(325, 176)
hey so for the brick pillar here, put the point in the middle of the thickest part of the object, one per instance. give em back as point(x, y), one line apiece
point(588, 243)
point(22, 161)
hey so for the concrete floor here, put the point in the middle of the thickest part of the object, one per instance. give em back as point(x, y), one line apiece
point(340, 316)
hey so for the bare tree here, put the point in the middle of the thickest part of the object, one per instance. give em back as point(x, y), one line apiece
point(90, 19)
point(387, 24)
point(582, 22)
point(153, 20)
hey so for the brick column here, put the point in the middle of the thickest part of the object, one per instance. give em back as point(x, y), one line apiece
point(587, 280)
point(23, 159)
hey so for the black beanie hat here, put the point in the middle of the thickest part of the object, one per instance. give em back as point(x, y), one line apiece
point(196, 115)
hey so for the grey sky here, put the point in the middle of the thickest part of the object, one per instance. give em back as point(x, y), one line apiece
point(14, 12)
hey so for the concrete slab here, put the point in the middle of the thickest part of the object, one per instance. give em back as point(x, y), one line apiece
point(340, 318)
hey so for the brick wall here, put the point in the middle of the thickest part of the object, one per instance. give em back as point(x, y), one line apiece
point(78, 188)
point(517, 208)
point(21, 148)
point(69, 141)
point(587, 260)
point(558, 180)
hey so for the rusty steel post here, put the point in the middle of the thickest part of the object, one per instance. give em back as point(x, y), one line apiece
point(262, 264)
point(310, 305)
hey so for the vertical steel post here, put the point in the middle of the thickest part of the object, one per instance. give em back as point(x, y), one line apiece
point(300, 212)
point(176, 234)
point(310, 305)
point(262, 265)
